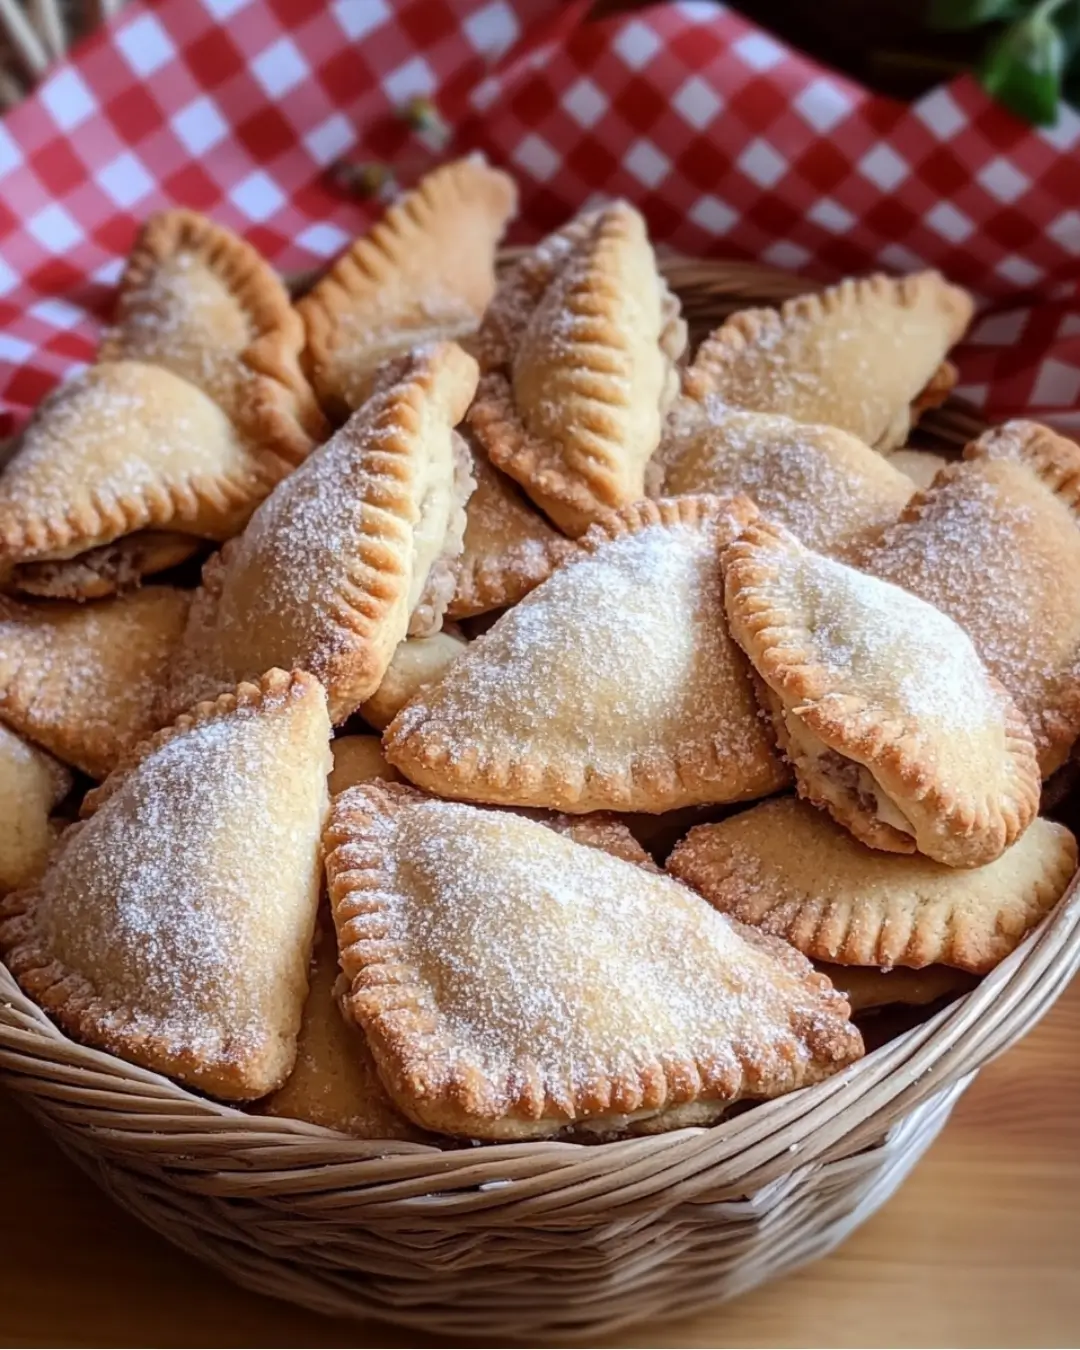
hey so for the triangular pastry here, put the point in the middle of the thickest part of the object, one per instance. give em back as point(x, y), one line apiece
point(126, 447)
point(868, 988)
point(614, 685)
point(358, 759)
point(992, 542)
point(513, 983)
point(824, 484)
point(575, 412)
point(921, 466)
point(83, 680)
point(509, 547)
point(416, 663)
point(865, 355)
point(426, 271)
point(106, 570)
point(881, 703)
point(200, 301)
point(351, 552)
point(31, 784)
point(174, 923)
point(788, 869)
point(334, 1082)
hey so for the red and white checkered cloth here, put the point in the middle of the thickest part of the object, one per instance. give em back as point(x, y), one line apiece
point(730, 143)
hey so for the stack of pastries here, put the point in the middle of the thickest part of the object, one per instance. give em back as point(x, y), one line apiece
point(712, 715)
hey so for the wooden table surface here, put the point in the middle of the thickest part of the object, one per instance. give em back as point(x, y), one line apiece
point(980, 1247)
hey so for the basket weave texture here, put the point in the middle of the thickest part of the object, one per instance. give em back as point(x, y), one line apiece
point(538, 1240)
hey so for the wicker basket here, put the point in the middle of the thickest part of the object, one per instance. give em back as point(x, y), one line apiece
point(543, 1240)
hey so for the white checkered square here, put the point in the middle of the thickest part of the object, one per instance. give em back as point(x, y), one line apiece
point(1057, 383)
point(125, 180)
point(1003, 180)
point(536, 156)
point(280, 67)
point(787, 255)
point(109, 273)
point(14, 349)
point(1000, 330)
point(883, 166)
point(257, 196)
point(831, 216)
point(54, 229)
point(712, 215)
point(330, 139)
point(67, 98)
point(408, 80)
point(649, 165)
point(199, 126)
point(636, 43)
point(10, 154)
point(1065, 231)
point(9, 278)
point(758, 51)
point(145, 44)
point(225, 9)
point(1019, 271)
point(760, 162)
point(359, 17)
point(1065, 133)
point(940, 114)
point(323, 239)
point(823, 104)
point(493, 29)
point(697, 102)
point(901, 259)
point(585, 103)
point(950, 223)
point(56, 313)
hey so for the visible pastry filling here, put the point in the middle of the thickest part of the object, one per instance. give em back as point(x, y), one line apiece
point(843, 779)
point(439, 539)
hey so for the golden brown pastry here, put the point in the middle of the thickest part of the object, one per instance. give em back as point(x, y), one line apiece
point(358, 759)
point(867, 988)
point(921, 466)
point(31, 784)
point(107, 570)
point(83, 680)
point(201, 302)
point(334, 1082)
point(865, 356)
point(991, 543)
point(509, 547)
point(824, 484)
point(574, 410)
point(353, 551)
point(881, 703)
point(415, 663)
point(174, 923)
point(426, 271)
point(612, 686)
point(789, 870)
point(512, 983)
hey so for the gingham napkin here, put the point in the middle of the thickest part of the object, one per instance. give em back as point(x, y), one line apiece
point(731, 143)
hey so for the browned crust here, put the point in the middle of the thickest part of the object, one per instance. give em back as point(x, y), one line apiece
point(281, 417)
point(661, 783)
point(1052, 458)
point(67, 995)
point(371, 262)
point(864, 927)
point(969, 830)
point(107, 570)
point(415, 1049)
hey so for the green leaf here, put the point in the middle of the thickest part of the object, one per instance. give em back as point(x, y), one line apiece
point(957, 14)
point(1023, 68)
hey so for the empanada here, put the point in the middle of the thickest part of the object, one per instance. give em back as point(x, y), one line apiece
point(824, 484)
point(106, 570)
point(868, 988)
point(614, 685)
point(349, 553)
point(200, 301)
point(83, 680)
point(358, 759)
point(509, 547)
point(416, 663)
point(881, 703)
point(995, 543)
point(334, 1082)
point(426, 271)
point(31, 784)
point(575, 412)
point(174, 923)
point(512, 983)
point(788, 869)
point(865, 356)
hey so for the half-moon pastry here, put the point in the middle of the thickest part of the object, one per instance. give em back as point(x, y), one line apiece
point(31, 784)
point(106, 570)
point(416, 663)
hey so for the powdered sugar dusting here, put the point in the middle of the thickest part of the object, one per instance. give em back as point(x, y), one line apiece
point(622, 655)
point(542, 956)
point(189, 896)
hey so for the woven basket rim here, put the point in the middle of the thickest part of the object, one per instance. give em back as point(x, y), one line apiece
point(154, 1123)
